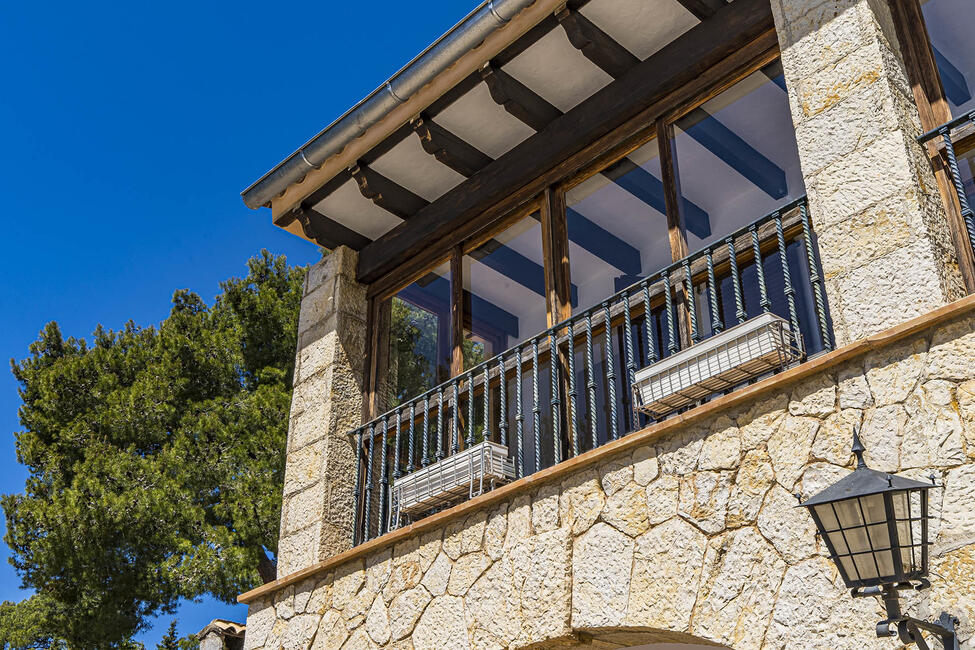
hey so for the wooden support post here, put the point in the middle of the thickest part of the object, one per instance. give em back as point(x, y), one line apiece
point(456, 311)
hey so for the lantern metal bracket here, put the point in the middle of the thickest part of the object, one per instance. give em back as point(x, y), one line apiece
point(908, 629)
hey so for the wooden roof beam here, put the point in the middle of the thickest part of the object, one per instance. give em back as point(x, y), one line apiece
point(387, 194)
point(518, 99)
point(454, 152)
point(324, 231)
point(595, 44)
point(702, 9)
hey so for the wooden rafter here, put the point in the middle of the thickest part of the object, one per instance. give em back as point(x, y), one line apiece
point(324, 231)
point(387, 194)
point(518, 99)
point(702, 9)
point(597, 46)
point(461, 156)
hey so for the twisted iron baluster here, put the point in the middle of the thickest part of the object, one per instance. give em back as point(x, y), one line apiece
point(591, 382)
point(503, 389)
point(764, 301)
point(716, 321)
point(470, 410)
point(814, 279)
point(455, 419)
point(610, 374)
point(411, 452)
point(519, 421)
point(556, 401)
point(368, 506)
point(669, 298)
point(689, 289)
point(440, 454)
point(383, 478)
point(425, 451)
point(487, 405)
point(630, 361)
point(573, 423)
point(789, 290)
point(358, 487)
point(648, 321)
point(966, 209)
point(536, 410)
point(396, 468)
point(736, 281)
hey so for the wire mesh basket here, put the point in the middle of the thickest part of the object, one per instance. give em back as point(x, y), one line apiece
point(753, 348)
point(467, 473)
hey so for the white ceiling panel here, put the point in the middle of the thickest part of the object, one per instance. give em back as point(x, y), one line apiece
point(410, 166)
point(347, 206)
point(477, 119)
point(557, 71)
point(641, 26)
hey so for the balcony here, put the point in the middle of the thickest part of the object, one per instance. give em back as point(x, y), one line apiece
point(529, 408)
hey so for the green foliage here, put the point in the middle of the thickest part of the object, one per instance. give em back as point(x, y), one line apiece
point(155, 458)
point(170, 640)
point(413, 334)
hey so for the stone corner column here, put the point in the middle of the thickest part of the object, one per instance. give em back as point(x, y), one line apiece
point(883, 235)
point(317, 516)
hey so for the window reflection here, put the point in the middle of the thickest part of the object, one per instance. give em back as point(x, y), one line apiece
point(737, 158)
point(420, 334)
point(950, 24)
point(617, 227)
point(504, 291)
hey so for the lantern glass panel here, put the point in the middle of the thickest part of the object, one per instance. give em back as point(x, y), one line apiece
point(866, 568)
point(826, 517)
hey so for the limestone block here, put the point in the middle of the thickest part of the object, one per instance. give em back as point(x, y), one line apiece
point(882, 432)
point(790, 446)
point(953, 591)
point(933, 433)
point(299, 632)
point(332, 632)
point(359, 640)
point(965, 397)
point(349, 578)
point(519, 520)
point(405, 609)
point(472, 537)
point(853, 390)
point(790, 529)
point(893, 372)
point(835, 436)
point(663, 496)
point(493, 605)
point(957, 520)
point(752, 483)
point(436, 577)
point(806, 45)
point(494, 532)
point(601, 562)
point(260, 620)
point(759, 423)
point(739, 585)
point(722, 448)
point(626, 510)
point(403, 576)
point(303, 509)
point(284, 603)
point(704, 499)
point(581, 501)
point(379, 566)
point(815, 397)
point(667, 563)
point(545, 508)
point(303, 594)
point(546, 587)
point(465, 572)
point(645, 465)
point(616, 474)
point(356, 608)
point(952, 354)
point(377, 622)
point(678, 454)
point(453, 539)
point(320, 599)
point(819, 476)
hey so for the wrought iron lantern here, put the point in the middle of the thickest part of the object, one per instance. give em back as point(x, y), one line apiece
point(875, 526)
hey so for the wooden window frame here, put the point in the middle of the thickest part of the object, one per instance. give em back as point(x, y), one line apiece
point(656, 122)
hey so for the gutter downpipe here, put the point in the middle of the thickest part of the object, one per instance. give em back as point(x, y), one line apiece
point(441, 54)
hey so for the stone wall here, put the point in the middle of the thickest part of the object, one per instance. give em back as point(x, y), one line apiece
point(692, 537)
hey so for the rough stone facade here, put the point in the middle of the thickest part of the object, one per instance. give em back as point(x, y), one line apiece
point(693, 537)
point(884, 243)
point(316, 515)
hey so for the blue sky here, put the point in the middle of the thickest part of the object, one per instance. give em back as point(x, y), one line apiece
point(128, 131)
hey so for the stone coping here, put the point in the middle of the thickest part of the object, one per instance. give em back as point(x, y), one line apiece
point(648, 434)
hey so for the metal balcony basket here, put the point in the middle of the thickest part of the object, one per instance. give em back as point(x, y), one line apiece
point(466, 473)
point(757, 346)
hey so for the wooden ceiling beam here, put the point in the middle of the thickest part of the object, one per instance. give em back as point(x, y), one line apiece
point(595, 44)
point(456, 153)
point(324, 231)
point(388, 195)
point(518, 99)
point(680, 73)
point(702, 9)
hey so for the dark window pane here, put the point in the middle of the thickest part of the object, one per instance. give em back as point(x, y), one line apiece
point(420, 334)
point(950, 25)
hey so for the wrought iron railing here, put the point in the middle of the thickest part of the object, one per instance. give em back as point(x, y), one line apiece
point(948, 132)
point(546, 407)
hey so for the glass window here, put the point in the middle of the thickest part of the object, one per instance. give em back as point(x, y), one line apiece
point(950, 24)
point(420, 335)
point(617, 227)
point(737, 158)
point(504, 291)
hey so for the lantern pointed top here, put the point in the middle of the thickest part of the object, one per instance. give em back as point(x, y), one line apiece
point(858, 449)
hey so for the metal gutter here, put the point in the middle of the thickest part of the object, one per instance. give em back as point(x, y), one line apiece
point(440, 55)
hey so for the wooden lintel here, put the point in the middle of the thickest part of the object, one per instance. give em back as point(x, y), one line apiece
point(702, 9)
point(595, 44)
point(518, 99)
point(327, 232)
point(691, 67)
point(388, 195)
point(461, 156)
